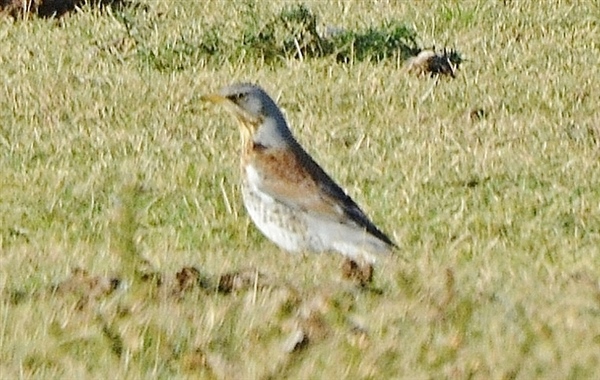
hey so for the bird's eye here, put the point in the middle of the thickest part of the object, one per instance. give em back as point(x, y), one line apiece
point(236, 97)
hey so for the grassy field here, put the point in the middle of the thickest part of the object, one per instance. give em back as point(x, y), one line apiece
point(125, 249)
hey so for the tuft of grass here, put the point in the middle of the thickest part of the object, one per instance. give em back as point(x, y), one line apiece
point(392, 40)
point(293, 33)
point(290, 34)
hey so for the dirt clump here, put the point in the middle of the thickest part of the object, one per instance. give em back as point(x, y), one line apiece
point(362, 274)
point(50, 8)
point(242, 280)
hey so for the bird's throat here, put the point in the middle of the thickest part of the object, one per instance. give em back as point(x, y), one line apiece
point(246, 132)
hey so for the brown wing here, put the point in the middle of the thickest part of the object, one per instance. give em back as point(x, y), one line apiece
point(292, 177)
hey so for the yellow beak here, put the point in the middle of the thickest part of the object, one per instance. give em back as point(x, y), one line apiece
point(214, 98)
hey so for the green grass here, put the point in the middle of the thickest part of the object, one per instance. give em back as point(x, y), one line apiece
point(108, 156)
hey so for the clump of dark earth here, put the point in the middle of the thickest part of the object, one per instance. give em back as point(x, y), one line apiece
point(51, 8)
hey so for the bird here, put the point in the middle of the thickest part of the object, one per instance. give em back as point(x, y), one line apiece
point(288, 196)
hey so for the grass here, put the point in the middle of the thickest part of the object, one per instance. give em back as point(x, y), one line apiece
point(488, 183)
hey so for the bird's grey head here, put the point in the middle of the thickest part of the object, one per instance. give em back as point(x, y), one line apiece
point(261, 119)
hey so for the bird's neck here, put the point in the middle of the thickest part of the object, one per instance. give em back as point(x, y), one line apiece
point(272, 133)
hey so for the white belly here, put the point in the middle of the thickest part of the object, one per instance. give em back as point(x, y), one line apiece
point(276, 221)
point(297, 230)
